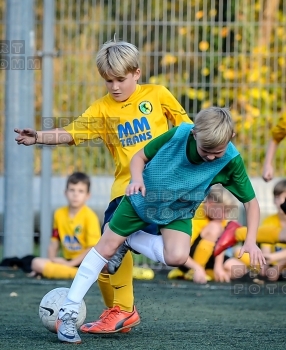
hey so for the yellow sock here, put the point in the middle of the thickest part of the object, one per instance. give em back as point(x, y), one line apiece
point(122, 283)
point(59, 271)
point(265, 234)
point(106, 289)
point(203, 252)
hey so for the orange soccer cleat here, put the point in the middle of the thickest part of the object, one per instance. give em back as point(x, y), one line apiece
point(227, 238)
point(85, 327)
point(113, 320)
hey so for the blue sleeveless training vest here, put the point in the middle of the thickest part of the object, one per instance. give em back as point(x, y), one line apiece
point(174, 186)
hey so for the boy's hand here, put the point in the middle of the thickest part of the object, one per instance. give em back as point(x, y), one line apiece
point(26, 137)
point(135, 187)
point(221, 275)
point(255, 254)
point(268, 172)
point(200, 275)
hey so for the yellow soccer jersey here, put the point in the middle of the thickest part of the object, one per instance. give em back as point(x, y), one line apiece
point(199, 224)
point(126, 127)
point(279, 130)
point(273, 220)
point(75, 234)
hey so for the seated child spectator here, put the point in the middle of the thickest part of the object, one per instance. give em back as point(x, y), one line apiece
point(208, 224)
point(275, 254)
point(76, 230)
point(272, 230)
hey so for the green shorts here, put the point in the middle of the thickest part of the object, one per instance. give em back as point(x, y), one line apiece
point(125, 221)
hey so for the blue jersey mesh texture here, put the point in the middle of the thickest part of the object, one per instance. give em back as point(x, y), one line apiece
point(174, 186)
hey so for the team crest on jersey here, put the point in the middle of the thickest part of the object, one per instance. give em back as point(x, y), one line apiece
point(77, 230)
point(145, 107)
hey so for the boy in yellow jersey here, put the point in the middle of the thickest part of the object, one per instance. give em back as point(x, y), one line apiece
point(126, 119)
point(278, 134)
point(271, 231)
point(208, 224)
point(275, 254)
point(76, 229)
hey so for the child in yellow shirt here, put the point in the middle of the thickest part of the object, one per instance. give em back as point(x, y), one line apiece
point(76, 230)
point(271, 231)
point(208, 225)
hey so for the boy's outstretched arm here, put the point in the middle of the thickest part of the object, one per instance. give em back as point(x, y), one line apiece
point(137, 165)
point(30, 137)
point(252, 217)
point(268, 170)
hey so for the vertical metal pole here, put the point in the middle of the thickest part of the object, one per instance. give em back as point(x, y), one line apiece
point(19, 112)
point(47, 123)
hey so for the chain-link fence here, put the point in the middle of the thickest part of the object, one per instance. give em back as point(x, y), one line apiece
point(226, 53)
point(207, 52)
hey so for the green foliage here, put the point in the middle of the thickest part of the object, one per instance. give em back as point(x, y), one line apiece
point(235, 67)
point(206, 53)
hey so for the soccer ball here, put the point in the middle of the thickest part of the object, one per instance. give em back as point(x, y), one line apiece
point(50, 305)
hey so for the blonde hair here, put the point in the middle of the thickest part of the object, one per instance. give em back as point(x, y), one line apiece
point(213, 127)
point(117, 58)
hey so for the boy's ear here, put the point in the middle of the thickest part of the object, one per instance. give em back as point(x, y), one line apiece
point(233, 134)
point(194, 133)
point(137, 74)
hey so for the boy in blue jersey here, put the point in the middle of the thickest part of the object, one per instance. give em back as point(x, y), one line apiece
point(170, 177)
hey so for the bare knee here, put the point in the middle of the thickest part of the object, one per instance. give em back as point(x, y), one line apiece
point(38, 264)
point(107, 247)
point(176, 257)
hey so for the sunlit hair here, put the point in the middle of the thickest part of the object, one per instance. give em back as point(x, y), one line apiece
point(279, 188)
point(117, 58)
point(218, 204)
point(77, 177)
point(213, 127)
